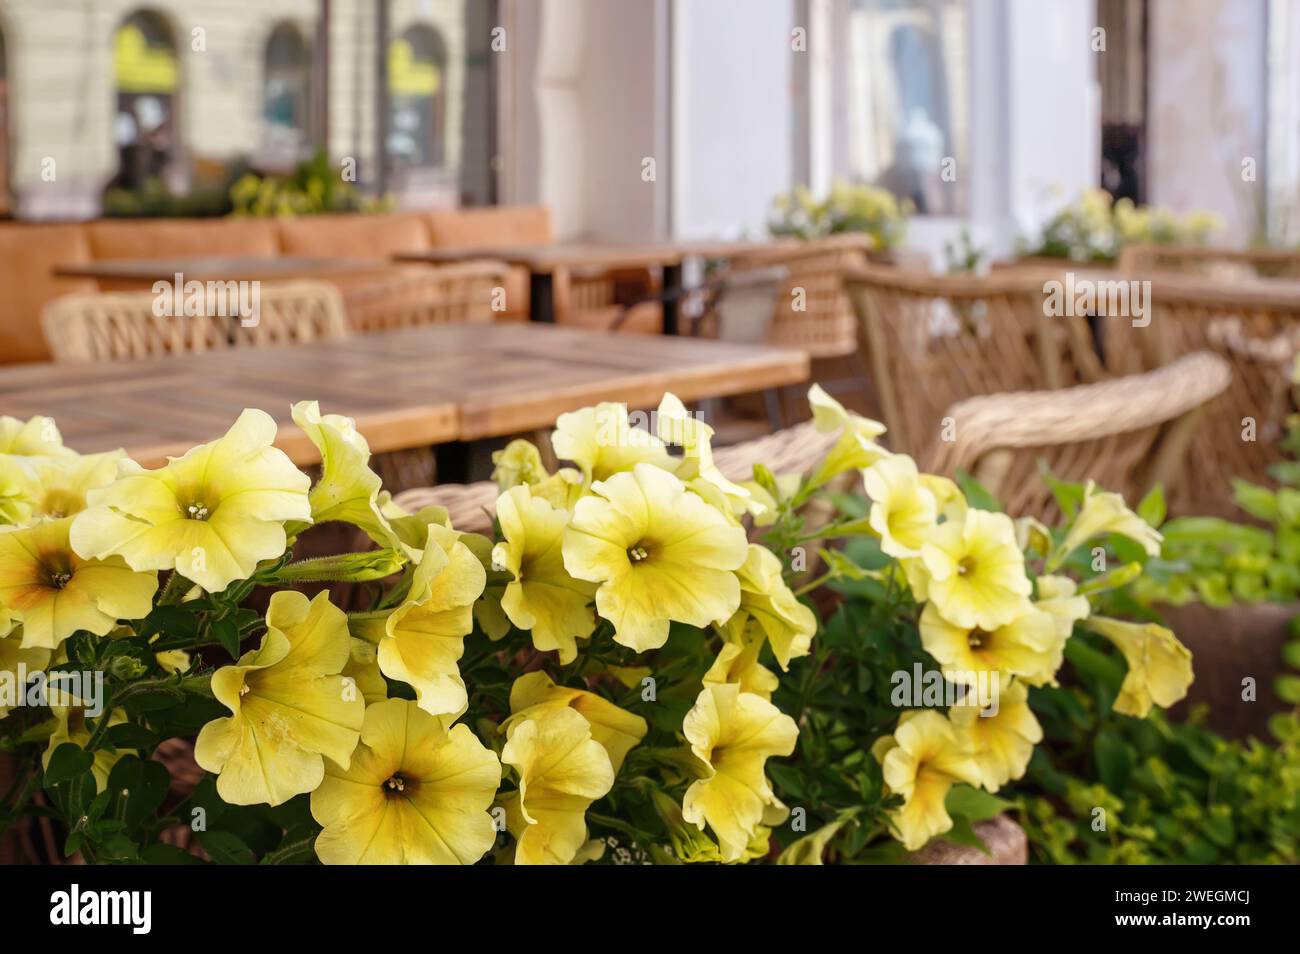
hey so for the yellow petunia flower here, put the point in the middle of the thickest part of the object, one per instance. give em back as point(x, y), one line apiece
point(1058, 597)
point(737, 660)
point(1003, 743)
point(1159, 666)
point(617, 730)
point(291, 706)
point(561, 771)
point(13, 655)
point(519, 462)
point(975, 571)
point(49, 488)
point(212, 514)
point(948, 498)
point(36, 437)
point(417, 792)
point(70, 726)
point(1103, 513)
point(764, 595)
point(348, 490)
point(921, 761)
point(903, 510)
point(602, 442)
point(733, 734)
point(658, 552)
point(54, 592)
point(363, 669)
point(856, 448)
point(679, 427)
point(421, 642)
point(1028, 646)
point(542, 598)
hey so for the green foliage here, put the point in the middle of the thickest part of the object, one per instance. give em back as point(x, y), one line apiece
point(1094, 228)
point(1108, 789)
point(314, 187)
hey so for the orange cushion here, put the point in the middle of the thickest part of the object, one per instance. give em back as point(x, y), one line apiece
point(28, 255)
point(492, 226)
point(353, 236)
point(163, 238)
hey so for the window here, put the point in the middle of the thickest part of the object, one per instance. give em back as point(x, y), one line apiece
point(907, 99)
point(417, 62)
point(146, 71)
point(286, 95)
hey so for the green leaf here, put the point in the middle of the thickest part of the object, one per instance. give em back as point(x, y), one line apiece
point(225, 848)
point(68, 762)
point(974, 804)
point(1259, 502)
point(129, 735)
point(1152, 506)
point(1068, 494)
point(226, 632)
point(1288, 689)
point(1115, 760)
point(976, 494)
point(161, 854)
point(141, 785)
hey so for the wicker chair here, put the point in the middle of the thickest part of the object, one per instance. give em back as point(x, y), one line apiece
point(1254, 325)
point(422, 295)
point(1224, 264)
point(122, 326)
point(1127, 434)
point(796, 449)
point(933, 340)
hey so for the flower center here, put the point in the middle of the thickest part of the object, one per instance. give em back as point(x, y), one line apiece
point(976, 638)
point(966, 566)
point(244, 690)
point(638, 553)
point(197, 511)
point(398, 784)
point(59, 579)
point(62, 503)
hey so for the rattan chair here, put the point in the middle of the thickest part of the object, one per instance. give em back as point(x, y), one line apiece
point(933, 340)
point(1224, 264)
point(122, 326)
point(424, 295)
point(795, 449)
point(1127, 434)
point(1253, 325)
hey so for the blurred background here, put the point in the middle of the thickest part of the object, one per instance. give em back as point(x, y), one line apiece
point(651, 118)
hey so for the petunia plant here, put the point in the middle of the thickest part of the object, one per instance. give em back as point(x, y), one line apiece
point(629, 668)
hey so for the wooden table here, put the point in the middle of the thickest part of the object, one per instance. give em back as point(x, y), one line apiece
point(116, 274)
point(408, 388)
point(545, 259)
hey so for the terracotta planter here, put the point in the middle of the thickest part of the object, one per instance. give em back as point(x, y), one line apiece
point(1003, 836)
point(1229, 646)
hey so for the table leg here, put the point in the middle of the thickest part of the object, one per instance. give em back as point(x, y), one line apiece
point(541, 298)
point(672, 297)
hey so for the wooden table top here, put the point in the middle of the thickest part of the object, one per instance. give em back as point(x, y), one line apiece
point(547, 257)
point(218, 268)
point(408, 388)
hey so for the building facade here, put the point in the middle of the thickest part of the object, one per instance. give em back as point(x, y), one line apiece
point(640, 118)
